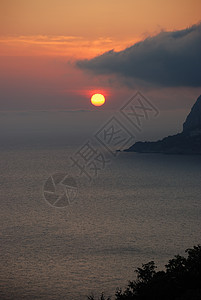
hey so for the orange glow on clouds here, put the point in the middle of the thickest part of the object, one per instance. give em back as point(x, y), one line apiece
point(74, 47)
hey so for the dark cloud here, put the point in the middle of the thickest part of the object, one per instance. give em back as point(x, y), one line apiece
point(167, 59)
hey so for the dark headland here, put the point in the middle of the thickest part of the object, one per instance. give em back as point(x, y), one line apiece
point(186, 142)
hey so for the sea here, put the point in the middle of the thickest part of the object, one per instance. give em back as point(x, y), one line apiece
point(135, 209)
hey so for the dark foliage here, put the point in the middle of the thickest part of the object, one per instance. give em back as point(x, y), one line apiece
point(102, 297)
point(181, 280)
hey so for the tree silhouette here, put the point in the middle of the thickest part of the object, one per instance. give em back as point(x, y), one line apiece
point(181, 280)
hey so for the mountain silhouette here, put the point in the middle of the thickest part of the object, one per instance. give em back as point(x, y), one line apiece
point(186, 142)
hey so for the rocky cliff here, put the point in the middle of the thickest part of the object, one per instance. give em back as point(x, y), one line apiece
point(193, 121)
point(186, 142)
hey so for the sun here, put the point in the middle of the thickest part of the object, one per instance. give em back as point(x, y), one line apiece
point(97, 99)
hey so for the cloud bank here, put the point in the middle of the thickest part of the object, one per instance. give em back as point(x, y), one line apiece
point(168, 59)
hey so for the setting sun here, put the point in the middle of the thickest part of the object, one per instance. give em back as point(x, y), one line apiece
point(97, 99)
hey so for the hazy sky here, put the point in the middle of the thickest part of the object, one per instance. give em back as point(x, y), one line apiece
point(41, 42)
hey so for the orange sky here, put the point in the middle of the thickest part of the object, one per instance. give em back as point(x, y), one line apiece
point(80, 28)
point(66, 30)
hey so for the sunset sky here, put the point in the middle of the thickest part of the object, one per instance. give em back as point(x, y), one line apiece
point(47, 49)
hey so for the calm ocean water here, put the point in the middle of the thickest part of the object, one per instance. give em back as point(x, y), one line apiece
point(140, 208)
